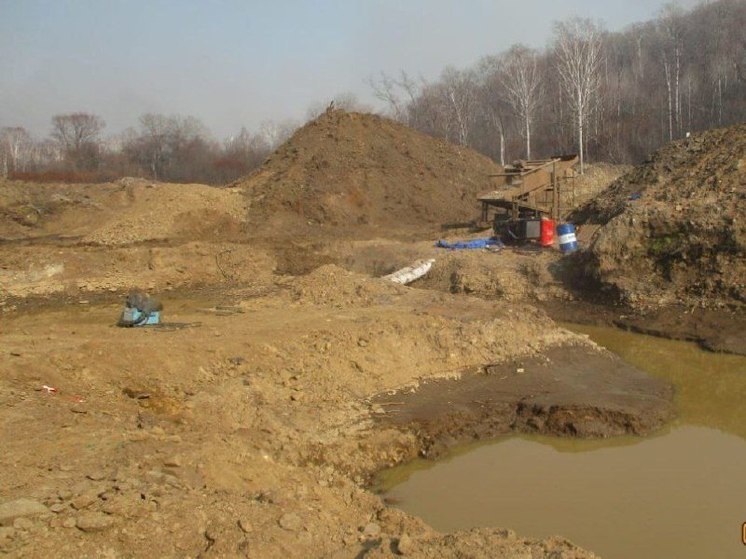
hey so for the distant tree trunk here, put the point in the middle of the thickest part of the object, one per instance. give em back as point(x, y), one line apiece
point(667, 72)
point(671, 32)
point(580, 133)
point(17, 146)
point(502, 147)
point(689, 103)
point(460, 97)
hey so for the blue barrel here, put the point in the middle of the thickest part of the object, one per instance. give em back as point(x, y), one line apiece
point(567, 240)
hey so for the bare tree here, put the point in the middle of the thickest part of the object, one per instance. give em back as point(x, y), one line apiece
point(77, 134)
point(521, 81)
point(496, 120)
point(427, 113)
point(578, 51)
point(493, 103)
point(459, 89)
point(346, 101)
point(274, 133)
point(45, 153)
point(399, 94)
point(168, 145)
point(152, 144)
point(16, 146)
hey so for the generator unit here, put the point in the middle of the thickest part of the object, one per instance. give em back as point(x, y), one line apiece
point(525, 229)
point(517, 230)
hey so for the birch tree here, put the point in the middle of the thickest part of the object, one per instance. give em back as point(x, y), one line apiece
point(399, 94)
point(578, 52)
point(459, 88)
point(493, 105)
point(151, 147)
point(670, 30)
point(16, 146)
point(520, 77)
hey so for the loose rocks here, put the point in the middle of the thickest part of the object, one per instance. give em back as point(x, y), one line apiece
point(11, 510)
point(291, 522)
point(93, 521)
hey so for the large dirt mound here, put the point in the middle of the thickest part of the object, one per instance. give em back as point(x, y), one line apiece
point(674, 229)
point(352, 169)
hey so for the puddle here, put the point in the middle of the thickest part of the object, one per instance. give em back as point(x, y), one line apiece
point(678, 494)
point(710, 387)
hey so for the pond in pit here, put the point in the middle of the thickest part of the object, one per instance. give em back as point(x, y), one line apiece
point(681, 493)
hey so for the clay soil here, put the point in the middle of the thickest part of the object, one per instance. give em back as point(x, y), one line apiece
point(567, 391)
point(286, 372)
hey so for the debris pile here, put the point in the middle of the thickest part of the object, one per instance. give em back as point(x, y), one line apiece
point(674, 229)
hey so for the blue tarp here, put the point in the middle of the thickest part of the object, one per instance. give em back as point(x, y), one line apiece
point(474, 243)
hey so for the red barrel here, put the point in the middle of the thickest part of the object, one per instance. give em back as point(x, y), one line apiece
point(547, 232)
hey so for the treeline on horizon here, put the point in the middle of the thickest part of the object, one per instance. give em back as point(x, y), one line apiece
point(611, 97)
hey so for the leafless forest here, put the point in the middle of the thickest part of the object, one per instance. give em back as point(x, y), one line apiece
point(608, 96)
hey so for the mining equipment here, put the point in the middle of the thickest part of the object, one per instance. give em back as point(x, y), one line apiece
point(527, 193)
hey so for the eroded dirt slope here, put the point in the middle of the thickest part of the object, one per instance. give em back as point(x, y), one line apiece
point(127, 211)
point(673, 230)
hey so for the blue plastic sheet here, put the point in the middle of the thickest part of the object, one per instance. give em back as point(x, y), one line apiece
point(472, 244)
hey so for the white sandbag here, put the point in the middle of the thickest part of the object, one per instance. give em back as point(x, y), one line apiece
point(411, 273)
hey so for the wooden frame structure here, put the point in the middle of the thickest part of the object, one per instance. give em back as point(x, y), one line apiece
point(538, 187)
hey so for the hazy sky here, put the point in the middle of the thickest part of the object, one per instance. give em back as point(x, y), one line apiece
point(235, 63)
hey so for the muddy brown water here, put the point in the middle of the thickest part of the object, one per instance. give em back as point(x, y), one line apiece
point(680, 493)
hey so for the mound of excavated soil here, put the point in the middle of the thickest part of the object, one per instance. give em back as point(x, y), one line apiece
point(596, 178)
point(673, 230)
point(127, 211)
point(58, 238)
point(171, 211)
point(351, 169)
